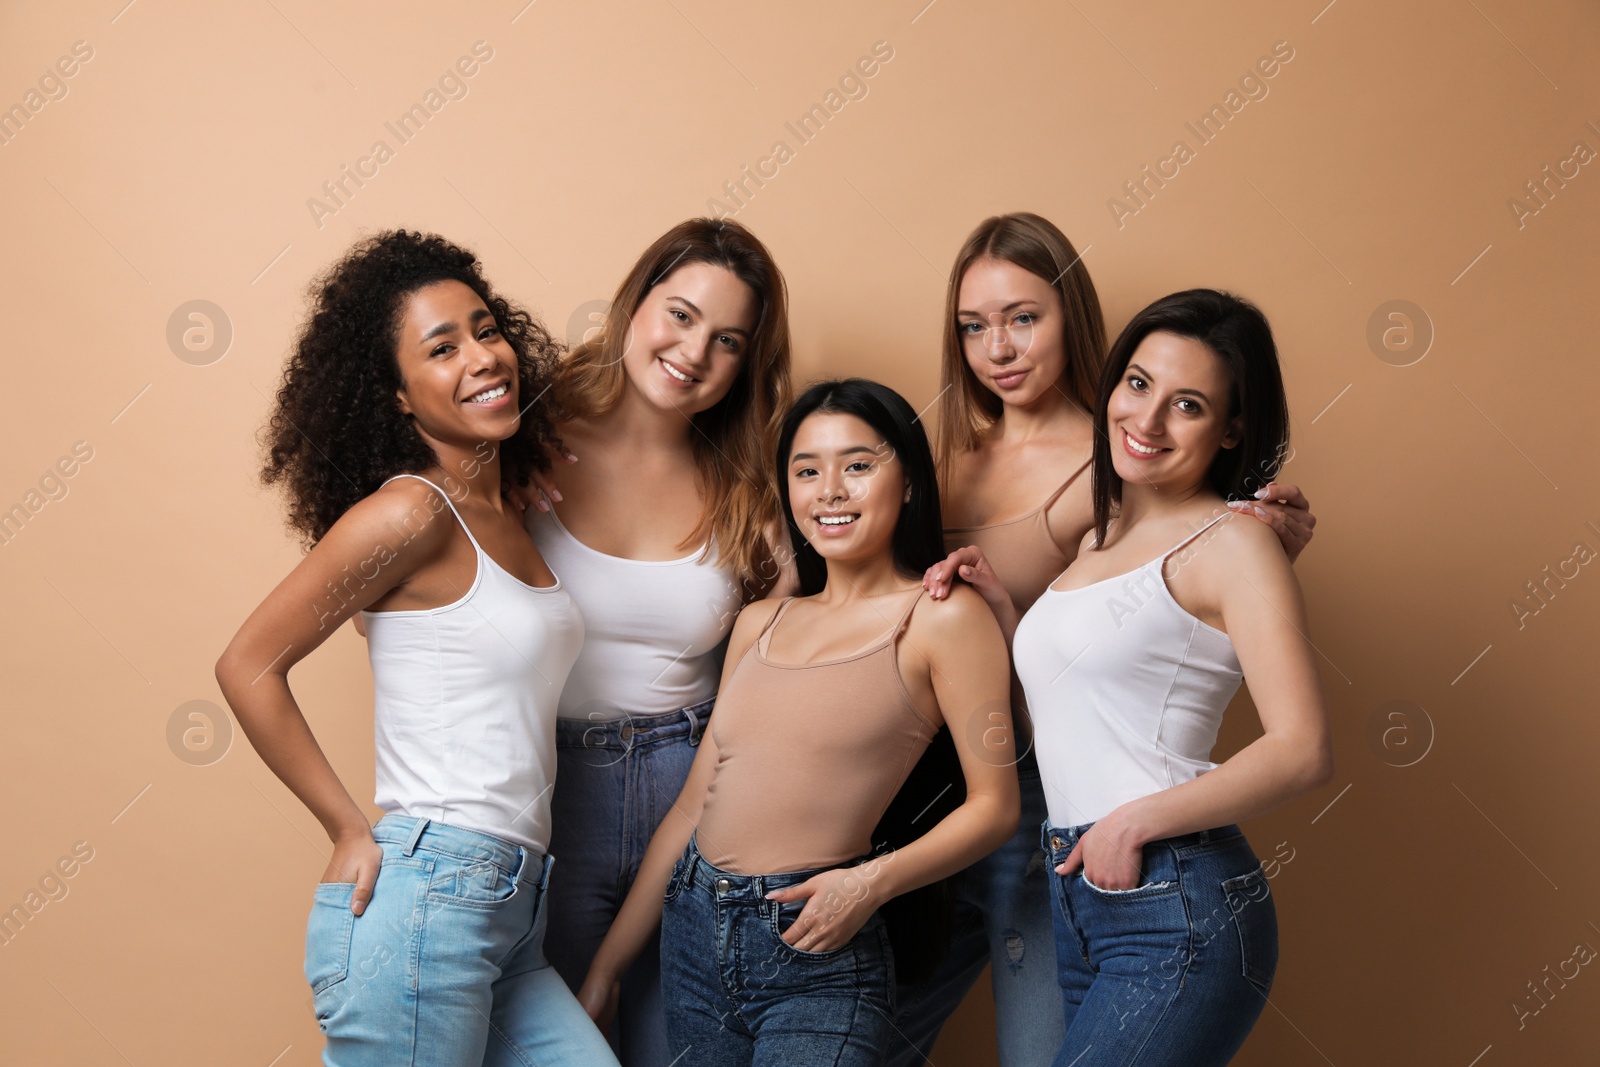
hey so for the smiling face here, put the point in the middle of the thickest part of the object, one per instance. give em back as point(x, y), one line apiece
point(458, 373)
point(846, 487)
point(1169, 414)
point(1010, 321)
point(687, 340)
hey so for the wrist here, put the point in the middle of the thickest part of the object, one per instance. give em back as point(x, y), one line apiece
point(1127, 827)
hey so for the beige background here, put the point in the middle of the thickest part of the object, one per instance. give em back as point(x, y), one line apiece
point(1415, 909)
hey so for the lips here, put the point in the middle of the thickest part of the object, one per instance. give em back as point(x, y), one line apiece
point(1138, 449)
point(677, 373)
point(1010, 379)
point(489, 394)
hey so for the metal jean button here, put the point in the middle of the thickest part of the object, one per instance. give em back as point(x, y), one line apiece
point(1056, 842)
point(723, 885)
point(627, 731)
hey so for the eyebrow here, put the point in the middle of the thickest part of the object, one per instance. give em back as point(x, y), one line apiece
point(686, 302)
point(852, 450)
point(1146, 374)
point(1008, 307)
point(451, 327)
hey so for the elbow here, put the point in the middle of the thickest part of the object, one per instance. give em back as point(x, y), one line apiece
point(1317, 767)
point(230, 673)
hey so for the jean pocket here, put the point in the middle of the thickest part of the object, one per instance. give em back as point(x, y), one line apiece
point(783, 916)
point(471, 884)
point(675, 882)
point(1152, 888)
point(1255, 918)
point(328, 934)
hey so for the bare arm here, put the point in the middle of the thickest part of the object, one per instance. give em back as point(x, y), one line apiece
point(640, 914)
point(365, 555)
point(1246, 578)
point(968, 668)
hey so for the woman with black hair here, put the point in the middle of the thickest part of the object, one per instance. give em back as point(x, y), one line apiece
point(412, 400)
point(1166, 935)
point(772, 948)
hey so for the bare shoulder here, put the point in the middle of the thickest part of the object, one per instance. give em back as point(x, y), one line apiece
point(1239, 540)
point(956, 620)
point(403, 513)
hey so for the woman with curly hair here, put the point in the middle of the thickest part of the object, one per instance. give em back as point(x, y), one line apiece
point(412, 400)
point(663, 531)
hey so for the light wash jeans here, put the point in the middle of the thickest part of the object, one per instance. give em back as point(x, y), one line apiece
point(615, 781)
point(446, 967)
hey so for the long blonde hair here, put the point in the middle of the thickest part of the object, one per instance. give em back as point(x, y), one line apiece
point(735, 437)
point(966, 407)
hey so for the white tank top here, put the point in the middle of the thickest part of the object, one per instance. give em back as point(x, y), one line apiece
point(655, 628)
point(1126, 690)
point(465, 702)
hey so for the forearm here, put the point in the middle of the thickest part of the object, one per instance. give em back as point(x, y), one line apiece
point(640, 914)
point(272, 721)
point(1265, 774)
point(982, 823)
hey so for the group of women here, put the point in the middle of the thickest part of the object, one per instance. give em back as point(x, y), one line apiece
point(562, 562)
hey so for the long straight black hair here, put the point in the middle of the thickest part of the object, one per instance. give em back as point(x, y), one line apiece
point(1237, 333)
point(918, 537)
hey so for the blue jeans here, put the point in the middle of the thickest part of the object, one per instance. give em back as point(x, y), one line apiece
point(445, 966)
point(1174, 971)
point(738, 996)
point(615, 781)
point(1003, 917)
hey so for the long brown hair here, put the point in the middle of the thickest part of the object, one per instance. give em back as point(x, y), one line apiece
point(966, 407)
point(735, 437)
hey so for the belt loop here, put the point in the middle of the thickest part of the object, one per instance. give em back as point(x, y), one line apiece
point(694, 727)
point(416, 834)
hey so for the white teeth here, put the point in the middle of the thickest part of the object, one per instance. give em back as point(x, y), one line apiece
point(489, 394)
point(675, 372)
point(1137, 447)
point(836, 520)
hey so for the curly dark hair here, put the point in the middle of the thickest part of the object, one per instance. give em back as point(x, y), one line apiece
point(337, 431)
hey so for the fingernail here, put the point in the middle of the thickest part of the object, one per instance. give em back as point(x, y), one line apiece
point(571, 458)
point(1262, 512)
point(555, 494)
point(1237, 504)
point(542, 505)
point(1261, 494)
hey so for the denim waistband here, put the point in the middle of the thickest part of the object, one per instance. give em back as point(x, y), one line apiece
point(628, 731)
point(1062, 839)
point(751, 887)
point(473, 845)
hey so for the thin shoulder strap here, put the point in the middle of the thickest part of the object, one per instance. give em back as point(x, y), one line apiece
point(905, 616)
point(760, 643)
point(1063, 487)
point(447, 501)
point(1182, 544)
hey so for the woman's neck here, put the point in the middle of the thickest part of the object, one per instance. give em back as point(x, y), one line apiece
point(635, 423)
point(1143, 500)
point(1048, 415)
point(473, 468)
point(855, 580)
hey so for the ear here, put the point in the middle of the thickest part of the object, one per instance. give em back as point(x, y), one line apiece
point(906, 499)
point(1235, 432)
point(405, 404)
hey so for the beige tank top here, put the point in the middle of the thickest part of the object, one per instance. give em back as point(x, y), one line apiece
point(808, 756)
point(1024, 556)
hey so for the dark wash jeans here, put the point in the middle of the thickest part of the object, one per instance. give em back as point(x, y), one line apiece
point(1173, 972)
point(738, 996)
point(615, 781)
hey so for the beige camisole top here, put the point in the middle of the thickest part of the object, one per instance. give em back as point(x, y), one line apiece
point(808, 756)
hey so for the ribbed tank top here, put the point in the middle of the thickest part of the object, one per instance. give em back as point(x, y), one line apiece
point(655, 628)
point(1024, 556)
point(465, 695)
point(1126, 690)
point(808, 756)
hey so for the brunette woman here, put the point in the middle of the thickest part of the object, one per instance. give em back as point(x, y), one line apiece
point(1023, 347)
point(412, 399)
point(772, 949)
point(1166, 934)
point(661, 530)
